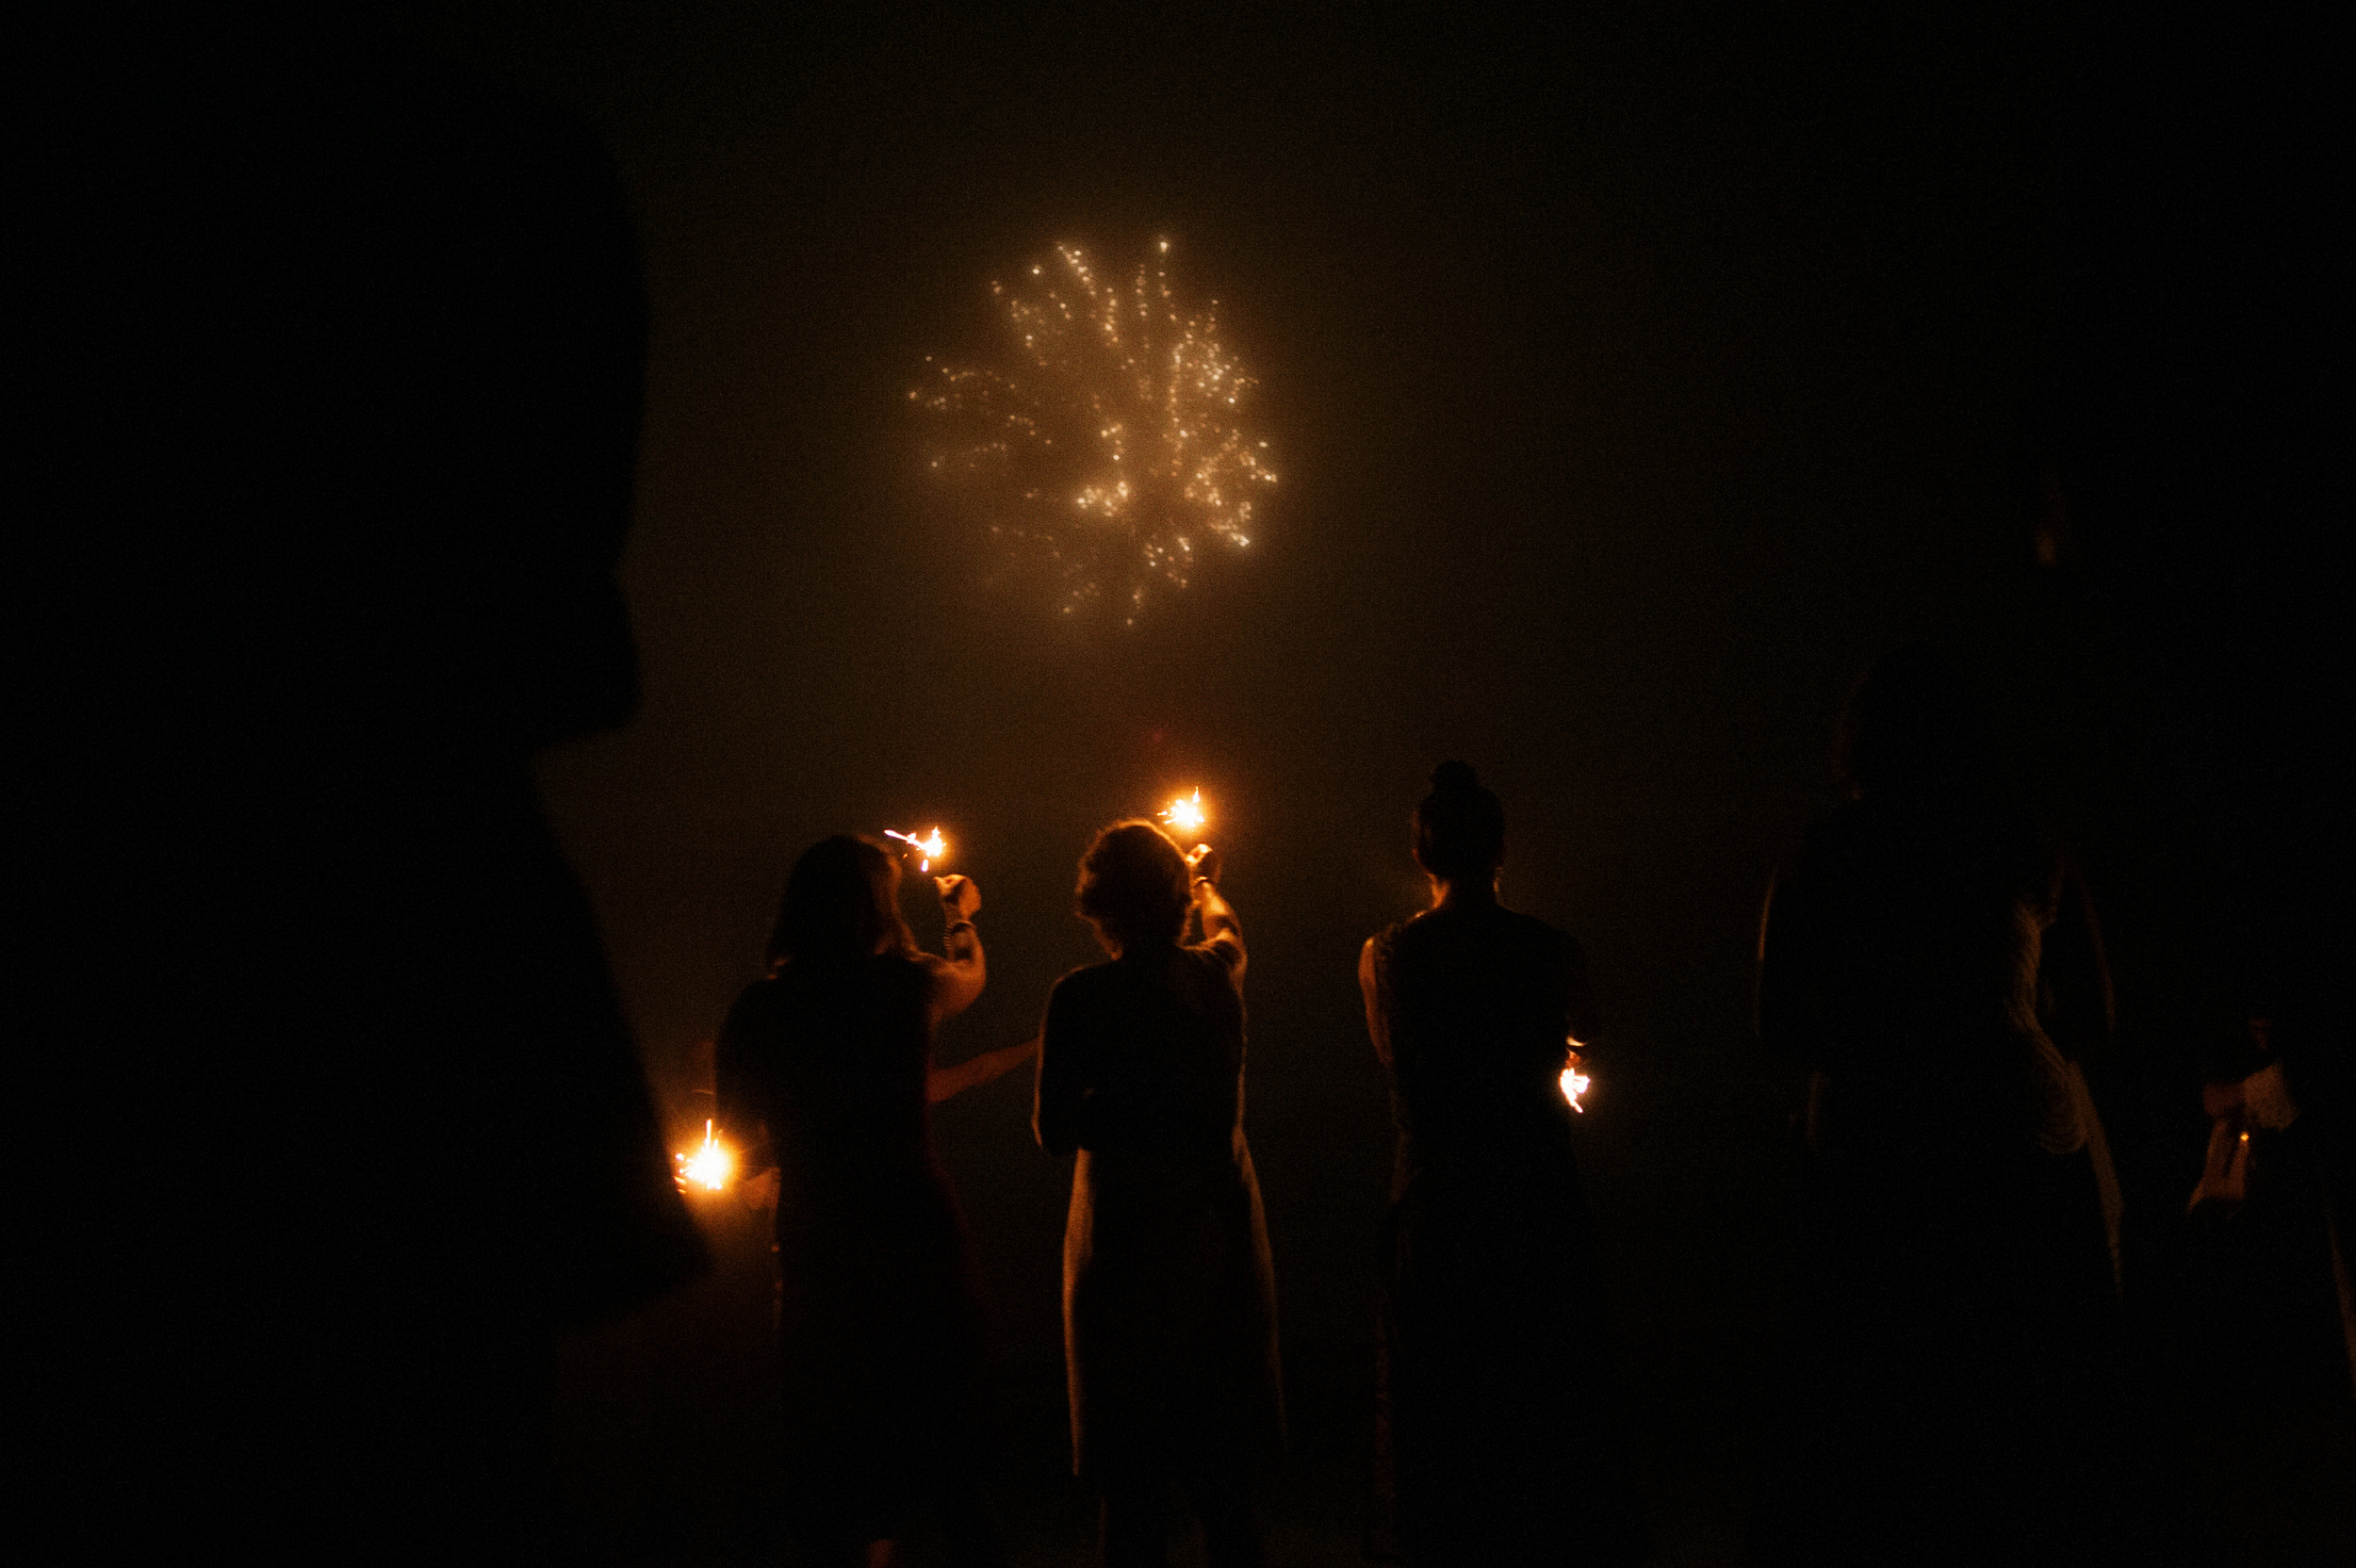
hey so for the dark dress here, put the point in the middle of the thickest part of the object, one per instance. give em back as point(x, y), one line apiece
point(1169, 1298)
point(879, 1317)
point(1497, 1434)
point(1948, 1395)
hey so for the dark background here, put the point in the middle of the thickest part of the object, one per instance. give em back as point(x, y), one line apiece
point(1634, 377)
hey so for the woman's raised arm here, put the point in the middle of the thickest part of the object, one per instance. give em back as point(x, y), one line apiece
point(957, 978)
point(1221, 929)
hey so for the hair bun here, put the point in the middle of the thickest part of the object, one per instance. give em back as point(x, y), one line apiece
point(1454, 778)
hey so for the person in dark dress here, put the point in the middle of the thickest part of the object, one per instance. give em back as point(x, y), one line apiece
point(1932, 960)
point(1169, 1298)
point(1496, 1439)
point(827, 1065)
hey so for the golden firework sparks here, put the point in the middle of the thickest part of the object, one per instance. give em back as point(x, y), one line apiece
point(1575, 1083)
point(708, 1165)
point(1115, 450)
point(932, 846)
point(1186, 813)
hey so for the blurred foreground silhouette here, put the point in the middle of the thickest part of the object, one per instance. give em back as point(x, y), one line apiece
point(326, 1114)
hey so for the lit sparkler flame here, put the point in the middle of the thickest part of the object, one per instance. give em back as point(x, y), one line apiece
point(1575, 1082)
point(709, 1166)
point(1186, 813)
point(932, 846)
point(1111, 450)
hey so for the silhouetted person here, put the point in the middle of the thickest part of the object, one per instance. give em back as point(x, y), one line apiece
point(324, 1114)
point(1952, 1392)
point(828, 1063)
point(1498, 1433)
point(1169, 1298)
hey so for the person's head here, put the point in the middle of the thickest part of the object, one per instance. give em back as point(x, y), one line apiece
point(841, 902)
point(1912, 720)
point(1133, 887)
point(1459, 827)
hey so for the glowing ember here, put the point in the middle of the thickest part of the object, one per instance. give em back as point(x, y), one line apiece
point(932, 846)
point(1575, 1082)
point(1111, 452)
point(1186, 813)
point(707, 1167)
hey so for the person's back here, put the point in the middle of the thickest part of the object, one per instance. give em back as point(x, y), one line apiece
point(1477, 998)
point(832, 1059)
point(1169, 1310)
point(825, 1065)
point(1164, 1033)
point(1905, 965)
point(1948, 1391)
point(1495, 1379)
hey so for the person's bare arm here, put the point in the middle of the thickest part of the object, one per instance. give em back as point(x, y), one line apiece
point(1376, 1026)
point(943, 1082)
point(1785, 957)
point(1221, 929)
point(958, 977)
point(2073, 977)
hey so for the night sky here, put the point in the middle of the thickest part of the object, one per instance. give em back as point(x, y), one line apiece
point(1633, 379)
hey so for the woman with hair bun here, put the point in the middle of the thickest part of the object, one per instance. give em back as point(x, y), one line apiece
point(1497, 1410)
point(1169, 1300)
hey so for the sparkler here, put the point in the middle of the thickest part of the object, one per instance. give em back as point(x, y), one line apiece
point(1186, 813)
point(709, 1166)
point(1575, 1082)
point(932, 846)
point(1112, 453)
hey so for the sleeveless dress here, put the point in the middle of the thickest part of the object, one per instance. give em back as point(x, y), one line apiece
point(880, 1319)
point(1497, 1414)
point(1951, 1387)
point(1170, 1297)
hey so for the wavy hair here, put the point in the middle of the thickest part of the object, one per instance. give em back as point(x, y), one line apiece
point(1133, 887)
point(841, 904)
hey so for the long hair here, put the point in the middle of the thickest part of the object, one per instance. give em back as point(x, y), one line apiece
point(840, 902)
point(1133, 887)
point(1460, 827)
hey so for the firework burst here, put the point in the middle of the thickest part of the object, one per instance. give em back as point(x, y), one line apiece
point(1113, 451)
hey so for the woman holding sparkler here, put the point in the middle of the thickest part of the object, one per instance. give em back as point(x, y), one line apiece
point(1169, 1300)
point(1496, 1416)
point(828, 1061)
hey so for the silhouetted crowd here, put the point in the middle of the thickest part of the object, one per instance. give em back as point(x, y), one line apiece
point(327, 1120)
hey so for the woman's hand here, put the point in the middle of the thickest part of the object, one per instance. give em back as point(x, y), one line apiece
point(1203, 861)
point(958, 896)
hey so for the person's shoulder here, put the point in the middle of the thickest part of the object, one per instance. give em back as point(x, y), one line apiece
point(1084, 984)
point(1388, 940)
point(1529, 925)
point(1426, 931)
point(756, 1009)
point(1526, 932)
point(1834, 837)
point(1220, 952)
point(907, 971)
point(763, 993)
